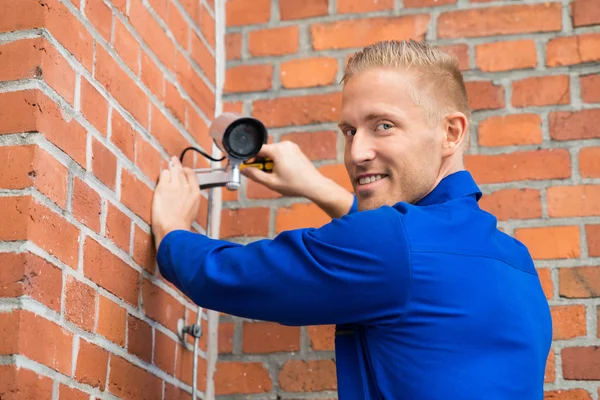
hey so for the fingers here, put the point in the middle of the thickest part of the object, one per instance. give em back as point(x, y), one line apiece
point(190, 176)
point(259, 176)
point(177, 174)
point(267, 150)
point(165, 176)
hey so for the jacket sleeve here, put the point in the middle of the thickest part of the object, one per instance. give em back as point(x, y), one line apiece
point(352, 270)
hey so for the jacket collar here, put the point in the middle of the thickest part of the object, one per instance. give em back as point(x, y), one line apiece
point(455, 185)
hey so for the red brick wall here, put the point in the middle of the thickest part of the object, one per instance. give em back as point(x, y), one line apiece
point(533, 78)
point(94, 96)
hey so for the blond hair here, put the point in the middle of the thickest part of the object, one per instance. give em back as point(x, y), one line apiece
point(439, 88)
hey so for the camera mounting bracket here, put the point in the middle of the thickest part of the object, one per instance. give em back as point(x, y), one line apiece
point(229, 176)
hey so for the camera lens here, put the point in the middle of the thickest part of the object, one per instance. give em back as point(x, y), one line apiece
point(244, 138)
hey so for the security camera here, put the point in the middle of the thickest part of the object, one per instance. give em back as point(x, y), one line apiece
point(240, 138)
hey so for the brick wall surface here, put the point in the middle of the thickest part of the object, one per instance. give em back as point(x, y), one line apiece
point(94, 96)
point(533, 77)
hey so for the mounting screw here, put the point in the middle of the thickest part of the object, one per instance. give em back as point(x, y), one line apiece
point(192, 330)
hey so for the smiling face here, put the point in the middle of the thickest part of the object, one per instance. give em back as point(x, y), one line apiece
point(392, 150)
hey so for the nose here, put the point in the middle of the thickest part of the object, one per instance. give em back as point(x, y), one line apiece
point(361, 148)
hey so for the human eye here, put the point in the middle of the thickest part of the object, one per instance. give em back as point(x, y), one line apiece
point(383, 126)
point(349, 131)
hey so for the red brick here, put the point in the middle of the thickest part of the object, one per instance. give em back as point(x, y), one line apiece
point(112, 320)
point(267, 337)
point(31, 110)
point(100, 16)
point(519, 166)
point(129, 381)
point(174, 102)
point(362, 32)
point(573, 201)
point(175, 393)
point(207, 26)
point(233, 46)
point(121, 5)
point(485, 95)
point(302, 110)
point(254, 191)
point(300, 215)
point(20, 383)
point(308, 376)
point(121, 86)
point(195, 87)
point(136, 195)
point(568, 322)
point(167, 134)
point(139, 338)
point(25, 329)
point(322, 337)
point(25, 274)
point(511, 130)
point(245, 222)
point(38, 59)
point(572, 394)
point(581, 363)
point(69, 393)
point(226, 333)
point(80, 304)
point(24, 219)
point(590, 88)
point(550, 372)
point(32, 166)
point(199, 131)
point(593, 239)
point(127, 46)
point(87, 205)
point(579, 282)
point(122, 135)
point(92, 364)
point(364, 6)
point(546, 281)
point(273, 41)
point(502, 20)
point(178, 26)
point(151, 76)
point(104, 164)
point(551, 242)
point(144, 253)
point(308, 72)
point(589, 162)
point(573, 50)
point(248, 78)
point(161, 306)
point(71, 33)
point(243, 378)
point(541, 91)
point(460, 52)
point(110, 272)
point(243, 12)
point(585, 12)
point(184, 368)
point(508, 204)
point(193, 9)
point(147, 158)
point(118, 227)
point(152, 34)
point(506, 56)
point(292, 9)
point(338, 174)
point(315, 145)
point(161, 7)
point(566, 125)
point(164, 352)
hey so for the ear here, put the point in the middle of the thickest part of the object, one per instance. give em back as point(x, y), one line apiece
point(456, 128)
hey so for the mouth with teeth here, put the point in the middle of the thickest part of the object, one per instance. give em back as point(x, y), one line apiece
point(366, 180)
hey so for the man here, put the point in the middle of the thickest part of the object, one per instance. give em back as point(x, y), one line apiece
point(430, 299)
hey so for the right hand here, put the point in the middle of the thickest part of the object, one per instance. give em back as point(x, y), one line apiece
point(293, 173)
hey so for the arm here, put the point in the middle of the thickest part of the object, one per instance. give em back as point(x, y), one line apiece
point(354, 269)
point(332, 198)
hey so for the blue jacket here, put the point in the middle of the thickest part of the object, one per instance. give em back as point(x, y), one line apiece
point(431, 300)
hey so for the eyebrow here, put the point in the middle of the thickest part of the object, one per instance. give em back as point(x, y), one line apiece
point(370, 117)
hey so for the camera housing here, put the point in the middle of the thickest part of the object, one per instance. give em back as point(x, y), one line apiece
point(239, 136)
